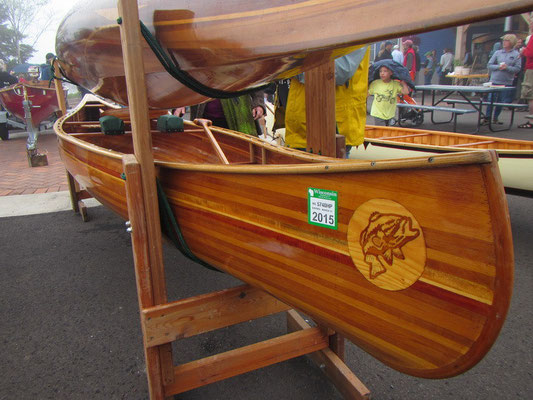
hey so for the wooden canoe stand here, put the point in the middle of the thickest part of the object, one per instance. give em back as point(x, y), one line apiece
point(163, 322)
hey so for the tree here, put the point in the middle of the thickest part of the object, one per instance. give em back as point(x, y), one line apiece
point(17, 18)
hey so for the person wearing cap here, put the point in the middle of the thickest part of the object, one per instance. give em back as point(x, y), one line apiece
point(386, 54)
point(46, 69)
point(397, 55)
point(503, 66)
point(429, 67)
point(409, 58)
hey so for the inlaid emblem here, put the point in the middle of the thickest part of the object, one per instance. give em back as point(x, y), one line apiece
point(387, 244)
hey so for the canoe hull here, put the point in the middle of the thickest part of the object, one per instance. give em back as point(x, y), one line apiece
point(515, 157)
point(43, 98)
point(426, 305)
point(219, 46)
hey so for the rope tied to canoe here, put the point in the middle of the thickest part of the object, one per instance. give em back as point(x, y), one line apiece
point(172, 67)
point(171, 228)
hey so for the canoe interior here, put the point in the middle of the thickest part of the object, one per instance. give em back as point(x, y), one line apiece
point(444, 139)
point(191, 146)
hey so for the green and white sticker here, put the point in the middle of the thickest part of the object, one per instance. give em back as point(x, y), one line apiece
point(322, 207)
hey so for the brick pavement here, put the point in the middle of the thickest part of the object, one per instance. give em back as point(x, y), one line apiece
point(17, 177)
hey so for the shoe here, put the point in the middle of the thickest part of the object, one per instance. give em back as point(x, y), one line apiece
point(484, 122)
point(496, 122)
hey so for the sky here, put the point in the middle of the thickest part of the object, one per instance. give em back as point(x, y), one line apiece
point(46, 42)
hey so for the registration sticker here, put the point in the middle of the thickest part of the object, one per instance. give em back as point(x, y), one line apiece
point(322, 207)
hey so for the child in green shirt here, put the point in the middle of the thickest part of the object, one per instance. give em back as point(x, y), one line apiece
point(385, 91)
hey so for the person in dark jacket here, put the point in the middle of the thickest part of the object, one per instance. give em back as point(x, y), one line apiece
point(386, 54)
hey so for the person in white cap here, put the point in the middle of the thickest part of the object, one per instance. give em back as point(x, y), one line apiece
point(397, 55)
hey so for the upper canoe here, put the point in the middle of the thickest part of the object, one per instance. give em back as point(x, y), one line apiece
point(410, 259)
point(238, 44)
point(515, 157)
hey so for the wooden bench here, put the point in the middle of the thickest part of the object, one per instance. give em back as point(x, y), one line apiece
point(452, 110)
point(513, 106)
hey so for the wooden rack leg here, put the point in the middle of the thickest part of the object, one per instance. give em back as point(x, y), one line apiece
point(154, 356)
point(76, 197)
point(332, 365)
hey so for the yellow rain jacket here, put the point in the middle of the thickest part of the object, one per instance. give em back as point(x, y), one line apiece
point(350, 109)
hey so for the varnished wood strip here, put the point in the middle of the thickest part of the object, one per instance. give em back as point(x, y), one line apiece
point(473, 144)
point(299, 280)
point(200, 314)
point(235, 362)
point(421, 353)
point(346, 274)
point(402, 136)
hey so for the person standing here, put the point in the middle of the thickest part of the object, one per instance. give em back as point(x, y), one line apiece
point(237, 113)
point(351, 83)
point(386, 54)
point(429, 67)
point(503, 66)
point(397, 55)
point(446, 66)
point(46, 69)
point(409, 58)
point(527, 83)
point(385, 92)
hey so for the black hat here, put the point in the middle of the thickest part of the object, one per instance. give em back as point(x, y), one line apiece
point(49, 56)
point(388, 42)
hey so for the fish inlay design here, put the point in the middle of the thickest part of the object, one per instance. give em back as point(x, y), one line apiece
point(383, 239)
point(387, 244)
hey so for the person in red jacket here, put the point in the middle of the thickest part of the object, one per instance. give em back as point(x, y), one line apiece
point(409, 58)
point(527, 84)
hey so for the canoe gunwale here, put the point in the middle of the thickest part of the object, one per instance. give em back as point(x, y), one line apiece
point(311, 164)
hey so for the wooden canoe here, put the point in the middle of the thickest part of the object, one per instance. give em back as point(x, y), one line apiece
point(515, 156)
point(244, 43)
point(411, 260)
point(42, 97)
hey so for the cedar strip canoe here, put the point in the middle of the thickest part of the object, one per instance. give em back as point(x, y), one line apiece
point(239, 44)
point(42, 97)
point(410, 259)
point(515, 156)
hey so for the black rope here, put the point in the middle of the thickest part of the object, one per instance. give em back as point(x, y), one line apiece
point(172, 67)
point(170, 227)
point(65, 78)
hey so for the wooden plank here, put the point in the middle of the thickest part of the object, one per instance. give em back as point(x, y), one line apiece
point(471, 144)
point(333, 366)
point(130, 37)
point(239, 361)
point(200, 314)
point(141, 259)
point(320, 109)
point(61, 100)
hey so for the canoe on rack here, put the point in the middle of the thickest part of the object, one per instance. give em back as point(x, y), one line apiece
point(42, 97)
point(244, 43)
point(515, 156)
point(410, 259)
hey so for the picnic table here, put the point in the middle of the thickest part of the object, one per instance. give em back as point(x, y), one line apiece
point(470, 96)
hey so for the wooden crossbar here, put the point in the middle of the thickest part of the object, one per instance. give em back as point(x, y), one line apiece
point(472, 144)
point(402, 136)
point(200, 314)
point(245, 359)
